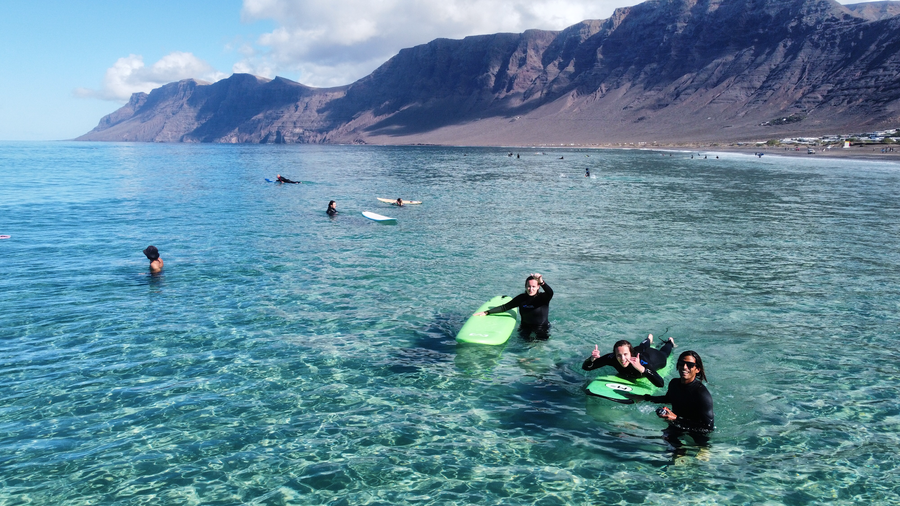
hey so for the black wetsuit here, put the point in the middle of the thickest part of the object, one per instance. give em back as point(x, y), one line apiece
point(652, 360)
point(535, 312)
point(692, 403)
point(282, 179)
point(331, 211)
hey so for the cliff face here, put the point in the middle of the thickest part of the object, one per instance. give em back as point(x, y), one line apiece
point(663, 70)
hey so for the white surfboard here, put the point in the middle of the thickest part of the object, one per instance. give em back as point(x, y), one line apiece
point(378, 217)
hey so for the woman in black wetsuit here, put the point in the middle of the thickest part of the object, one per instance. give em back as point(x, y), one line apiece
point(633, 363)
point(534, 308)
point(332, 208)
point(692, 405)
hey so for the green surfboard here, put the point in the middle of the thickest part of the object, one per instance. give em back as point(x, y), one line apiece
point(490, 329)
point(622, 390)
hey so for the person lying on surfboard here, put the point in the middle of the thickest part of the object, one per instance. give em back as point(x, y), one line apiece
point(633, 362)
point(534, 308)
point(399, 202)
point(282, 179)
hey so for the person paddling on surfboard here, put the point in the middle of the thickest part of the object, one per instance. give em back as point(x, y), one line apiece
point(692, 405)
point(282, 179)
point(534, 308)
point(156, 263)
point(633, 362)
point(399, 202)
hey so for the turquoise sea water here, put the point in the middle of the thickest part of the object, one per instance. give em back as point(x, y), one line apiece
point(284, 357)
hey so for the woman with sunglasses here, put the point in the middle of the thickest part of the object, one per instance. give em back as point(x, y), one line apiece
point(692, 405)
point(633, 362)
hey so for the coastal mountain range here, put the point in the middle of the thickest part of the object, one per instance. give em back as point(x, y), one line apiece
point(663, 71)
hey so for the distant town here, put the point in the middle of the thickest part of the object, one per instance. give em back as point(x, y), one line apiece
point(883, 138)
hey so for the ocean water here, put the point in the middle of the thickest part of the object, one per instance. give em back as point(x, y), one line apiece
point(285, 357)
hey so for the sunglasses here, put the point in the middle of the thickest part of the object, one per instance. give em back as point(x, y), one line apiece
point(681, 363)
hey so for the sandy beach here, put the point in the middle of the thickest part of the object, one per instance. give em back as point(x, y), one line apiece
point(860, 152)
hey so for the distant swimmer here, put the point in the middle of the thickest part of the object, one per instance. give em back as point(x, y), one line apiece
point(332, 208)
point(156, 263)
point(282, 179)
point(633, 362)
point(534, 308)
point(587, 172)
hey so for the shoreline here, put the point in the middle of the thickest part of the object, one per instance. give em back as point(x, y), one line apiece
point(861, 152)
point(857, 152)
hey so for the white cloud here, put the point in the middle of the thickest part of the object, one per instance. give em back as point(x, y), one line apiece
point(130, 75)
point(336, 42)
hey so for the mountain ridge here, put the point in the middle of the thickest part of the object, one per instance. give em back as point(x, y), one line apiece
point(659, 71)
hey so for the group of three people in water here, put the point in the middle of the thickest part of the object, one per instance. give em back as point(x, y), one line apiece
point(692, 407)
point(332, 207)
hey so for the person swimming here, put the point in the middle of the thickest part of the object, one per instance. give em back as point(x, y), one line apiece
point(156, 263)
point(332, 208)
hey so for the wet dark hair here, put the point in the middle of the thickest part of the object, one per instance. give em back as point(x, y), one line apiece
point(623, 343)
point(701, 373)
point(330, 202)
point(152, 253)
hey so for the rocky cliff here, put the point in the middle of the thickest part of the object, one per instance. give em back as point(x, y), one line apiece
point(660, 71)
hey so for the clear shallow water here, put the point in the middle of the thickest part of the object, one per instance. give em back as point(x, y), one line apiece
point(287, 358)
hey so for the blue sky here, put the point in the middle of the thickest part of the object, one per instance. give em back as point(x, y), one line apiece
point(66, 64)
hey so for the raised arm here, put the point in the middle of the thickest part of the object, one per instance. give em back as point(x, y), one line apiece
point(596, 361)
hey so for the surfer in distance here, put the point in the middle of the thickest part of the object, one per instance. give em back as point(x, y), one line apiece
point(633, 362)
point(282, 179)
point(692, 404)
point(332, 208)
point(156, 263)
point(534, 308)
point(399, 202)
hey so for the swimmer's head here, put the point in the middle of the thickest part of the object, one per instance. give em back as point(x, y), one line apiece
point(152, 253)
